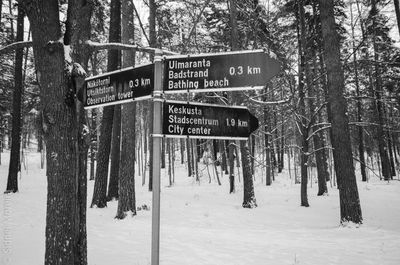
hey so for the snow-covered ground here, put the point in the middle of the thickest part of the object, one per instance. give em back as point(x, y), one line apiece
point(203, 224)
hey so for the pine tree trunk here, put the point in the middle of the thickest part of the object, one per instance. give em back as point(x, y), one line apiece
point(103, 154)
point(127, 196)
point(302, 122)
point(359, 107)
point(380, 108)
point(14, 167)
point(350, 209)
point(112, 193)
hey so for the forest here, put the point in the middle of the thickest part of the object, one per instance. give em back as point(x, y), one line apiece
point(316, 176)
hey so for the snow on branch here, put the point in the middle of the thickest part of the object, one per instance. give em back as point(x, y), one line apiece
point(96, 46)
point(15, 46)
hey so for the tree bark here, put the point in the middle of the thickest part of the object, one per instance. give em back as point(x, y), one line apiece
point(127, 196)
point(249, 199)
point(112, 193)
point(380, 108)
point(66, 197)
point(350, 209)
point(302, 121)
point(359, 107)
point(14, 166)
point(103, 154)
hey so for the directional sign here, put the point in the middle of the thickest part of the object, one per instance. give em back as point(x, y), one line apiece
point(118, 87)
point(219, 72)
point(198, 120)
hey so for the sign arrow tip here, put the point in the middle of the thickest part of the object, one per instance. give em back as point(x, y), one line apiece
point(253, 123)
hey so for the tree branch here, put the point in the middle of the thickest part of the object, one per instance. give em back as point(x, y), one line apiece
point(96, 46)
point(15, 46)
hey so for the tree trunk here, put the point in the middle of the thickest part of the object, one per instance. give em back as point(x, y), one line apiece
point(380, 108)
point(127, 196)
point(14, 167)
point(189, 158)
point(249, 199)
point(267, 145)
point(359, 107)
point(103, 154)
point(350, 209)
point(112, 193)
point(66, 197)
point(302, 121)
point(397, 10)
point(93, 140)
point(231, 159)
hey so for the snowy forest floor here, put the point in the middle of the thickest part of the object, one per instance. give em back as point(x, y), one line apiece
point(204, 224)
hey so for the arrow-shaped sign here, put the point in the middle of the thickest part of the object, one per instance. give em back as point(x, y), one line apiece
point(126, 85)
point(198, 120)
point(239, 70)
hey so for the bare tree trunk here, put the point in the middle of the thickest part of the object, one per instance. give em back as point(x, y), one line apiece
point(249, 199)
point(231, 159)
point(14, 167)
point(359, 107)
point(267, 147)
point(112, 193)
point(380, 108)
point(350, 209)
point(302, 121)
point(126, 180)
point(182, 148)
point(189, 158)
point(103, 154)
point(93, 140)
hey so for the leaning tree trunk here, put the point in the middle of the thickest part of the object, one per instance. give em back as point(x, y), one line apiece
point(100, 184)
point(14, 167)
point(350, 209)
point(127, 199)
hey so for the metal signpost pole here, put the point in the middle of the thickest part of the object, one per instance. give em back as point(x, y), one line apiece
point(157, 99)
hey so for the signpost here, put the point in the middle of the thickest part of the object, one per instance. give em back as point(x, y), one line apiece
point(199, 120)
point(240, 70)
point(117, 87)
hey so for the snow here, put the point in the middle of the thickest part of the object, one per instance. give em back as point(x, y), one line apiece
point(204, 224)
